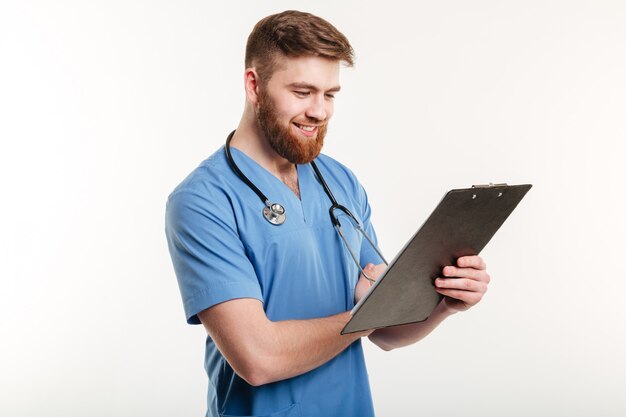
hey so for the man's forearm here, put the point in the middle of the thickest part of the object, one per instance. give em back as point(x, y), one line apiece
point(262, 351)
point(299, 346)
point(399, 336)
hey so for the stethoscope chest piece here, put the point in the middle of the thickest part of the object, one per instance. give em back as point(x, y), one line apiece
point(274, 213)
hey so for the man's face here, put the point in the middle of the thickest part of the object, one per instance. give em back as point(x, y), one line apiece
point(296, 104)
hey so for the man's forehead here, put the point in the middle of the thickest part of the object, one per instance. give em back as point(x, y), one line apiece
point(308, 72)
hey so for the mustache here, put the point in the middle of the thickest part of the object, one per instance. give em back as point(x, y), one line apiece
point(312, 121)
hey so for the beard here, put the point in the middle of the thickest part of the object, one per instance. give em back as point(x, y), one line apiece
point(281, 138)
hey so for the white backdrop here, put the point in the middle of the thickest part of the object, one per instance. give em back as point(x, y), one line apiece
point(106, 105)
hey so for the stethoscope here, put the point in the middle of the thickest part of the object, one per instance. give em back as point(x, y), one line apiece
point(275, 213)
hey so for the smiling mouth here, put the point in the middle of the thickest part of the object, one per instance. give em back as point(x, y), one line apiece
point(306, 128)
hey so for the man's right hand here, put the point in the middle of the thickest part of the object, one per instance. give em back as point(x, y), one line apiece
point(363, 285)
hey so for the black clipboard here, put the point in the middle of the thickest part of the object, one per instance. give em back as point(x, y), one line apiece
point(462, 224)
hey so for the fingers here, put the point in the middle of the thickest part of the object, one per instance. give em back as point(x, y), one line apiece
point(464, 292)
point(362, 287)
point(469, 298)
point(472, 267)
point(374, 271)
point(363, 284)
point(471, 273)
point(475, 262)
point(463, 284)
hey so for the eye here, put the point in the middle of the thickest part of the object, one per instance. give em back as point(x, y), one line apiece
point(329, 96)
point(301, 93)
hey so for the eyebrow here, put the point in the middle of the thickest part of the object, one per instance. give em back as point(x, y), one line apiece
point(312, 87)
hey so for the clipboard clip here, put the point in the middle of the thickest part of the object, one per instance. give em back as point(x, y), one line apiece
point(503, 184)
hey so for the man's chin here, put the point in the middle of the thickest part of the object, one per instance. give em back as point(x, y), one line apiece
point(295, 146)
point(301, 159)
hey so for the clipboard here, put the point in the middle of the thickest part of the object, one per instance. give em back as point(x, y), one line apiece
point(462, 224)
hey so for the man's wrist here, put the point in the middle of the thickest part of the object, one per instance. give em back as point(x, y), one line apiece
point(445, 309)
point(345, 318)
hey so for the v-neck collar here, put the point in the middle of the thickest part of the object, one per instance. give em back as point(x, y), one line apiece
point(270, 184)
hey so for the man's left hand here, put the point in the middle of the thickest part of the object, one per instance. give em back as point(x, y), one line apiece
point(465, 284)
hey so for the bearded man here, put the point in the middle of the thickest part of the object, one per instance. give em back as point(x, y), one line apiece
point(274, 295)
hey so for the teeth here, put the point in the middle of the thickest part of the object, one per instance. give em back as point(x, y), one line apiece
point(307, 128)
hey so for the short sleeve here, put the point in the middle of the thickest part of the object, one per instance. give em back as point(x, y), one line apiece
point(209, 258)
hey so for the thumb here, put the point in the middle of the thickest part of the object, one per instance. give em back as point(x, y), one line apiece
point(369, 269)
point(369, 273)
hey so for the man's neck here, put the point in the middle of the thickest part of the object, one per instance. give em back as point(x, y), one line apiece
point(249, 139)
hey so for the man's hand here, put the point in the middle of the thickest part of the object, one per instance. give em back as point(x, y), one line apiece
point(363, 285)
point(463, 285)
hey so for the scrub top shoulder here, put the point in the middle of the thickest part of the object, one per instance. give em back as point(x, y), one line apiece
point(222, 248)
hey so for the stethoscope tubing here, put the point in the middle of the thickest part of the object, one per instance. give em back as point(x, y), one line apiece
point(269, 212)
point(240, 174)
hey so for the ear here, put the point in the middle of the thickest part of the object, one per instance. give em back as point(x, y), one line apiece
point(251, 84)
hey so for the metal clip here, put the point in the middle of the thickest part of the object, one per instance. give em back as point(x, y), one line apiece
point(504, 184)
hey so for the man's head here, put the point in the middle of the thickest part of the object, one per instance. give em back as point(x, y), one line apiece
point(293, 34)
point(294, 60)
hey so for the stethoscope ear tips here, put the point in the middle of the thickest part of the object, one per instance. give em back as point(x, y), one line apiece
point(275, 214)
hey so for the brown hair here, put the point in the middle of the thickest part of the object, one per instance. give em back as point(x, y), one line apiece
point(294, 34)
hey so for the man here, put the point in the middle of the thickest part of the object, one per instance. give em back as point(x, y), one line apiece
point(273, 295)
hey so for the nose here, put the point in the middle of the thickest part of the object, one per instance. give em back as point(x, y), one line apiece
point(318, 108)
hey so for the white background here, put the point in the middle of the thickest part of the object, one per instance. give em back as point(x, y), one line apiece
point(106, 105)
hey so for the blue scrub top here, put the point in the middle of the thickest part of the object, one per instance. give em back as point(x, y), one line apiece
point(222, 248)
